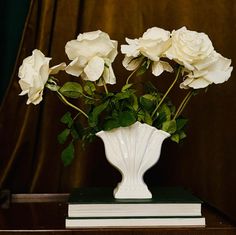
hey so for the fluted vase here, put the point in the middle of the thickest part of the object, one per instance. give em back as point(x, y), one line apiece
point(133, 150)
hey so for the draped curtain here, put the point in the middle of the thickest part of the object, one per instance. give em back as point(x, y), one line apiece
point(204, 163)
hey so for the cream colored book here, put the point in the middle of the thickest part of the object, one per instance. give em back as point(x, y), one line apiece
point(135, 222)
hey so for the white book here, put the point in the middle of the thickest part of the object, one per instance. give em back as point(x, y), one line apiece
point(117, 210)
point(135, 222)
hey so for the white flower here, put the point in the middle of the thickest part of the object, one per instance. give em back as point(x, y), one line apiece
point(153, 44)
point(91, 53)
point(213, 69)
point(33, 74)
point(188, 47)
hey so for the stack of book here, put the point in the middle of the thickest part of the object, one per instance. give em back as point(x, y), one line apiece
point(169, 207)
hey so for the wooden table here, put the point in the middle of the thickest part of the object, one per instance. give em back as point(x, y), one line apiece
point(45, 214)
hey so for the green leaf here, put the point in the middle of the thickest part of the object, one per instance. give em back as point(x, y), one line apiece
point(175, 138)
point(141, 115)
point(147, 118)
point(169, 126)
point(114, 114)
point(52, 86)
point(141, 70)
point(135, 102)
point(149, 97)
point(182, 135)
point(111, 124)
point(165, 109)
point(147, 101)
point(71, 89)
point(75, 133)
point(89, 87)
point(161, 117)
point(126, 118)
point(125, 87)
point(93, 116)
point(62, 137)
point(144, 67)
point(67, 154)
point(178, 136)
point(181, 123)
point(67, 119)
point(77, 130)
point(149, 87)
point(122, 95)
point(109, 94)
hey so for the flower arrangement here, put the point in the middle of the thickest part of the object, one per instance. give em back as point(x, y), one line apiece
point(189, 55)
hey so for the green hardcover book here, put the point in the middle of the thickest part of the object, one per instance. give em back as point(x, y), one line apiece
point(165, 201)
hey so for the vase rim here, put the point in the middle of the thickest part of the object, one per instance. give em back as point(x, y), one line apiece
point(137, 123)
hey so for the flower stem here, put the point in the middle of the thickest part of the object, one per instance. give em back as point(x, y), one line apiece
point(105, 86)
point(70, 104)
point(167, 92)
point(183, 104)
point(88, 97)
point(127, 80)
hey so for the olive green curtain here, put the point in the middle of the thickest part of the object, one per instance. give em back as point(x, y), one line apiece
point(204, 163)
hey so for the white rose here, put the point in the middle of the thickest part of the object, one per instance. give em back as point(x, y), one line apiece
point(213, 69)
point(33, 74)
point(188, 47)
point(91, 53)
point(153, 44)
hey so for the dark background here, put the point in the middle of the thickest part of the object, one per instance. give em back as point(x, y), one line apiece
point(30, 155)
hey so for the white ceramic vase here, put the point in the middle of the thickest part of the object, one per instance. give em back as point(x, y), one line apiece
point(133, 150)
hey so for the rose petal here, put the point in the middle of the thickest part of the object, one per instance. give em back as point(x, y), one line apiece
point(55, 69)
point(157, 68)
point(219, 76)
point(166, 66)
point(185, 83)
point(153, 49)
point(111, 79)
point(100, 46)
point(199, 83)
point(44, 73)
point(108, 76)
point(189, 47)
point(71, 49)
point(130, 50)
point(24, 87)
point(74, 68)
point(35, 97)
point(156, 33)
point(131, 63)
point(89, 35)
point(34, 74)
point(39, 59)
point(94, 69)
point(112, 55)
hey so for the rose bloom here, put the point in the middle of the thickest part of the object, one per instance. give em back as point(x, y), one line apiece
point(92, 54)
point(188, 47)
point(153, 44)
point(213, 69)
point(33, 74)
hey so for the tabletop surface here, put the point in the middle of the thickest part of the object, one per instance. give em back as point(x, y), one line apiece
point(49, 216)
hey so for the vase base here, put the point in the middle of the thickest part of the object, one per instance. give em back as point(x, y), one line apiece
point(131, 192)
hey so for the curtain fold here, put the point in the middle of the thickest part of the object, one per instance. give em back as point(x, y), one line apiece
point(30, 155)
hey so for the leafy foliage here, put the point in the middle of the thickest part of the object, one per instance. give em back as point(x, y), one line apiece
point(112, 110)
point(109, 110)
